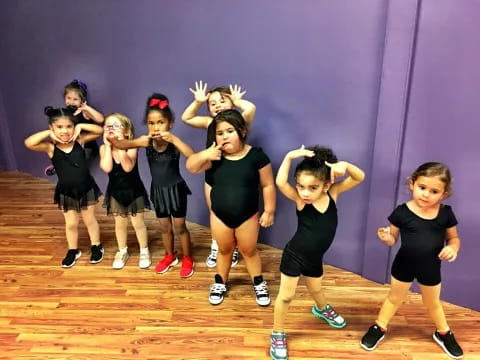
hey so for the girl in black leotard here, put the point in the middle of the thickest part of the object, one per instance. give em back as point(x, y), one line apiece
point(168, 191)
point(75, 96)
point(429, 235)
point(235, 171)
point(315, 195)
point(126, 196)
point(76, 191)
point(218, 99)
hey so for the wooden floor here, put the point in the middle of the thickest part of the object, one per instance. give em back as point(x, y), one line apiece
point(95, 312)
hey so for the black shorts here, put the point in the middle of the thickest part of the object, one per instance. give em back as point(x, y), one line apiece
point(293, 264)
point(423, 268)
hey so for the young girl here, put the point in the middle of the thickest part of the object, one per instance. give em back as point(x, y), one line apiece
point(315, 195)
point(168, 191)
point(75, 96)
point(425, 225)
point(218, 99)
point(76, 191)
point(234, 171)
point(126, 196)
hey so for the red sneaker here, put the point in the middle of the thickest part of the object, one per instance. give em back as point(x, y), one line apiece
point(187, 267)
point(167, 262)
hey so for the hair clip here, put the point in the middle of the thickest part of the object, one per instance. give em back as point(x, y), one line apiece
point(80, 83)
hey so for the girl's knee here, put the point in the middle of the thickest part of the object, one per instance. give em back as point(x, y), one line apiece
point(226, 250)
point(285, 298)
point(396, 299)
point(180, 230)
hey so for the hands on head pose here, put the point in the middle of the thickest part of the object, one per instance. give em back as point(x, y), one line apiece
point(428, 235)
point(314, 193)
point(76, 192)
point(217, 99)
point(235, 171)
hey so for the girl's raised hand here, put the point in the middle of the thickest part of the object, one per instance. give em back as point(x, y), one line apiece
point(384, 235)
point(165, 136)
point(448, 253)
point(236, 93)
point(55, 139)
point(266, 220)
point(200, 92)
point(301, 152)
point(76, 133)
point(337, 169)
point(214, 152)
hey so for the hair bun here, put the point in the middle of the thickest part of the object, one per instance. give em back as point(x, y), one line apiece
point(48, 110)
point(79, 83)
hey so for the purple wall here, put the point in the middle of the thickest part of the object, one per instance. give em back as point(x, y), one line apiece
point(328, 72)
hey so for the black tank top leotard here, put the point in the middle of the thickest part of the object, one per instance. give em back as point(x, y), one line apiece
point(76, 188)
point(315, 231)
point(168, 187)
point(235, 187)
point(127, 191)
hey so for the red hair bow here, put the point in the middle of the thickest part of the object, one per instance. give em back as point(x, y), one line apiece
point(161, 104)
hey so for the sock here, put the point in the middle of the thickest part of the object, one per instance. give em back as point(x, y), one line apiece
point(443, 333)
point(257, 280)
point(381, 328)
point(144, 250)
point(214, 245)
point(278, 332)
point(123, 251)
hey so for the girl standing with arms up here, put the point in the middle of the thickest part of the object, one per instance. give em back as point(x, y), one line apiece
point(315, 195)
point(429, 235)
point(76, 192)
point(168, 191)
point(126, 196)
point(75, 96)
point(235, 171)
point(218, 99)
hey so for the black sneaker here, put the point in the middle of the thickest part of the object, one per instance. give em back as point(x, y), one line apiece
point(372, 337)
point(96, 254)
point(71, 258)
point(261, 294)
point(217, 291)
point(448, 344)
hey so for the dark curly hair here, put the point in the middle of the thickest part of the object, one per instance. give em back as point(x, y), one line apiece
point(54, 114)
point(429, 169)
point(77, 86)
point(315, 165)
point(232, 117)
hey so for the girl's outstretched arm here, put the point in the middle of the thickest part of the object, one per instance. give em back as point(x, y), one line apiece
point(90, 132)
point(450, 251)
point(339, 169)
point(36, 142)
point(124, 144)
point(269, 196)
point(247, 108)
point(185, 149)
point(282, 175)
point(190, 116)
point(202, 160)
point(92, 114)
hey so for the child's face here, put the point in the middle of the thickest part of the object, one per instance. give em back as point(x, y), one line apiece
point(157, 123)
point(309, 187)
point(227, 136)
point(63, 128)
point(218, 102)
point(114, 128)
point(72, 98)
point(427, 191)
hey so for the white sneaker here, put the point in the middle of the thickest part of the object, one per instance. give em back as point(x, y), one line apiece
point(212, 258)
point(144, 262)
point(120, 260)
point(235, 257)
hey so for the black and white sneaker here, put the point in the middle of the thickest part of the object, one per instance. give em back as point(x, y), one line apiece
point(448, 344)
point(96, 254)
point(372, 337)
point(235, 257)
point(217, 291)
point(261, 294)
point(71, 257)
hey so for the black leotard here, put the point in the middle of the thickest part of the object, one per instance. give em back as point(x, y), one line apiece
point(125, 193)
point(76, 188)
point(421, 242)
point(235, 194)
point(315, 231)
point(168, 189)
